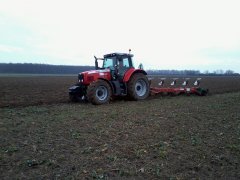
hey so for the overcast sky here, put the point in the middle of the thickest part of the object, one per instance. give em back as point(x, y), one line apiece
point(163, 34)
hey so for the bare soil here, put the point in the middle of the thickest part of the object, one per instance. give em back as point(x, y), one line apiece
point(183, 137)
point(35, 90)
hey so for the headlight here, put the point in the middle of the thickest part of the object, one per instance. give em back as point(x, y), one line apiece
point(80, 77)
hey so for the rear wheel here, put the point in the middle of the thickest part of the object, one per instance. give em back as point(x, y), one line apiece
point(138, 87)
point(99, 92)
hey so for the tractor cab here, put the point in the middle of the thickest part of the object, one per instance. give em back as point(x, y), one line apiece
point(118, 63)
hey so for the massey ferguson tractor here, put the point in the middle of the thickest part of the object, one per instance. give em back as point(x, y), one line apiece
point(118, 77)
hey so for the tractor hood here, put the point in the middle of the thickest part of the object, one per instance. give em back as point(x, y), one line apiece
point(87, 77)
point(95, 71)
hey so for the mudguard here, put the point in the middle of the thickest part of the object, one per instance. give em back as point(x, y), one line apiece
point(132, 71)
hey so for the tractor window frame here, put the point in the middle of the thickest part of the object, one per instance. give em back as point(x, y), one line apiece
point(125, 61)
point(129, 61)
point(112, 63)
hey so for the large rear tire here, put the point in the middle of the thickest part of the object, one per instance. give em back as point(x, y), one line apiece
point(138, 87)
point(99, 92)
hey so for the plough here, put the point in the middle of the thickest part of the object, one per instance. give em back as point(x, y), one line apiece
point(184, 89)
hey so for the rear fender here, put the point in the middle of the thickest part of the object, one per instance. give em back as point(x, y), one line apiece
point(132, 71)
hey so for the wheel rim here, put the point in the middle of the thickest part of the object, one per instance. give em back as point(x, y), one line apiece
point(101, 93)
point(141, 87)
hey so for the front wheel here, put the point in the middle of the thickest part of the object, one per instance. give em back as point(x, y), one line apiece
point(99, 92)
point(138, 87)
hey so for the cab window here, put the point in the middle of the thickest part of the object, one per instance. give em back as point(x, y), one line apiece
point(126, 62)
point(109, 62)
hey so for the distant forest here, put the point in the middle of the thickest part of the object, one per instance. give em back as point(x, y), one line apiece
point(193, 72)
point(29, 68)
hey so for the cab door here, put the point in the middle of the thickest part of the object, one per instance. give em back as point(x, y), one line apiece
point(124, 63)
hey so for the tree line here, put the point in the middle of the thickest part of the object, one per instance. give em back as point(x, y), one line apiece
point(193, 72)
point(29, 68)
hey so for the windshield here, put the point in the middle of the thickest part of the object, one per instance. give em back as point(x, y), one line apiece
point(109, 62)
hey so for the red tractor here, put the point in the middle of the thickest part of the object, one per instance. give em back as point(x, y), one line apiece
point(116, 77)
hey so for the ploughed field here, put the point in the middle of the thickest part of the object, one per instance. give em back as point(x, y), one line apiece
point(35, 90)
point(43, 136)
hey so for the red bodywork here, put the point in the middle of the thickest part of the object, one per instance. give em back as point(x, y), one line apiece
point(176, 91)
point(156, 90)
point(93, 75)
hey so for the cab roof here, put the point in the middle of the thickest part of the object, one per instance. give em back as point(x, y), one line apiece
point(117, 54)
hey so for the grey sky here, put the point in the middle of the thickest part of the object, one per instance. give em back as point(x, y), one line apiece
point(173, 34)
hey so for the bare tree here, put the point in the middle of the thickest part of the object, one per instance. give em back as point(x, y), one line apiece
point(229, 72)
